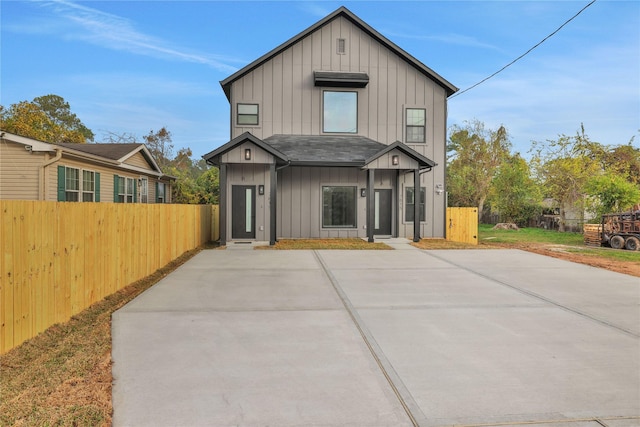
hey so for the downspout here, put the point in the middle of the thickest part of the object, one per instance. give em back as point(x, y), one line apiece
point(43, 187)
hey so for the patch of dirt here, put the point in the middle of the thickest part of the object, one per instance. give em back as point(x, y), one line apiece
point(559, 251)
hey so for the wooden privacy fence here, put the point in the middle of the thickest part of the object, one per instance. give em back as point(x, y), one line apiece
point(59, 258)
point(462, 225)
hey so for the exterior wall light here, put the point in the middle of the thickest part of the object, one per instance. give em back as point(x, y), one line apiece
point(247, 153)
point(395, 160)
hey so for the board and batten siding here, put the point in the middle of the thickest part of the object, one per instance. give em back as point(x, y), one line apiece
point(291, 104)
point(19, 172)
point(253, 174)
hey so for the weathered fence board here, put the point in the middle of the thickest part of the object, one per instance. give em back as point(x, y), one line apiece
point(59, 258)
point(462, 225)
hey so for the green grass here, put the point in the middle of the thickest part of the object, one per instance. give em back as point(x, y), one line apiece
point(528, 235)
point(575, 241)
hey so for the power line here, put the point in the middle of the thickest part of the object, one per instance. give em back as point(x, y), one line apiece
point(524, 54)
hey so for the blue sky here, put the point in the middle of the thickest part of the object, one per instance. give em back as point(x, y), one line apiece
point(133, 66)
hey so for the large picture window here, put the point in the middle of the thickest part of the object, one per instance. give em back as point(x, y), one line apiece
point(410, 204)
point(340, 112)
point(339, 207)
point(416, 125)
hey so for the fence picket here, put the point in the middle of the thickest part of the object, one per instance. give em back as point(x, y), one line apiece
point(59, 258)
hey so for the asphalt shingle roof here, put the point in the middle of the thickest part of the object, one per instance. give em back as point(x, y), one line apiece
point(325, 149)
point(107, 150)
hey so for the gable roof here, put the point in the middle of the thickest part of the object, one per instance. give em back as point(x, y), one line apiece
point(346, 13)
point(109, 150)
point(422, 160)
point(213, 156)
point(114, 151)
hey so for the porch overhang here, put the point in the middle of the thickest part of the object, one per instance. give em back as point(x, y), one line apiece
point(215, 157)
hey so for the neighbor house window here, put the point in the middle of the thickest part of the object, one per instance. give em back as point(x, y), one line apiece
point(144, 190)
point(88, 186)
point(72, 185)
point(416, 125)
point(340, 112)
point(125, 189)
point(247, 114)
point(410, 203)
point(339, 208)
point(160, 198)
point(77, 185)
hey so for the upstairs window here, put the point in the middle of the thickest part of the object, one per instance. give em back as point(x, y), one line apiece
point(416, 125)
point(247, 115)
point(340, 112)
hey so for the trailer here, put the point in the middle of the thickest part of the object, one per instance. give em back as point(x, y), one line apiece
point(621, 230)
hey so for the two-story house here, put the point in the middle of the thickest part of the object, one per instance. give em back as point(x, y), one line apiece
point(332, 132)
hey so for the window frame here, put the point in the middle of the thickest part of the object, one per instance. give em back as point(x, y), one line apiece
point(83, 189)
point(354, 212)
point(159, 185)
point(123, 189)
point(238, 114)
point(324, 112)
point(410, 210)
point(144, 189)
point(408, 126)
point(74, 193)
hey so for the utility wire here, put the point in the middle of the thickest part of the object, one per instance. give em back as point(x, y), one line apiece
point(524, 54)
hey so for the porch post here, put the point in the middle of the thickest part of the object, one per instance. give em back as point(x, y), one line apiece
point(370, 205)
point(223, 204)
point(416, 205)
point(273, 203)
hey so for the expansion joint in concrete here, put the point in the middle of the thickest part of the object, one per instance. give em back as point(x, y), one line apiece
point(407, 401)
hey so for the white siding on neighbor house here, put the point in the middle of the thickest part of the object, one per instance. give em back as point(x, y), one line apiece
point(19, 172)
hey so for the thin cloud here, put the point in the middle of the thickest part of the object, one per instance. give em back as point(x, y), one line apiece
point(114, 32)
point(451, 38)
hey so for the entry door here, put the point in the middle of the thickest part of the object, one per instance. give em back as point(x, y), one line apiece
point(382, 212)
point(243, 212)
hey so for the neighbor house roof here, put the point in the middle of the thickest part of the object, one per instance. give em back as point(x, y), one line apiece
point(111, 154)
point(347, 14)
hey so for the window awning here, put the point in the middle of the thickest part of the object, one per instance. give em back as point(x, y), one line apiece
point(340, 79)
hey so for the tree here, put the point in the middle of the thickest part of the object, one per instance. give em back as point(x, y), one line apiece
point(59, 112)
point(161, 147)
point(514, 193)
point(476, 154)
point(48, 118)
point(564, 167)
point(611, 192)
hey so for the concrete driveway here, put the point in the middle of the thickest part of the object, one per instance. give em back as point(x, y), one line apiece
point(380, 338)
